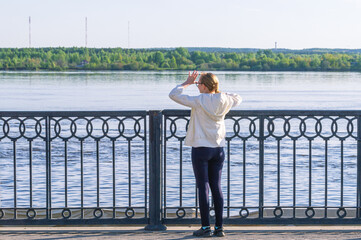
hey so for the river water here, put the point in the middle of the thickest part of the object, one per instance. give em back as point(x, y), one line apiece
point(149, 90)
point(79, 91)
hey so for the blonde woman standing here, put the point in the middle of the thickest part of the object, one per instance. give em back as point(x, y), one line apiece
point(206, 135)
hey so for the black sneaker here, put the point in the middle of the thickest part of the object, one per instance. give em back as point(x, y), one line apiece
point(203, 232)
point(218, 232)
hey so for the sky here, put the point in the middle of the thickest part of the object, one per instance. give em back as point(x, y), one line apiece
point(293, 24)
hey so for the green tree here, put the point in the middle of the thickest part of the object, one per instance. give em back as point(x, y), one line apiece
point(173, 63)
point(182, 52)
point(158, 58)
point(165, 65)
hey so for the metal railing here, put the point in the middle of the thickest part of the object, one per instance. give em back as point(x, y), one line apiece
point(73, 167)
point(281, 167)
point(295, 167)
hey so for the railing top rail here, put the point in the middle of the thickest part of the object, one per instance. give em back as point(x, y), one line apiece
point(71, 113)
point(175, 112)
point(179, 112)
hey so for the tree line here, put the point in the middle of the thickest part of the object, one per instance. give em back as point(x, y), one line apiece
point(60, 59)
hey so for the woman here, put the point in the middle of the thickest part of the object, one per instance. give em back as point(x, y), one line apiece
point(206, 135)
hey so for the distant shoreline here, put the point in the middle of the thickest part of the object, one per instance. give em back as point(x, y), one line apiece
point(173, 70)
point(180, 59)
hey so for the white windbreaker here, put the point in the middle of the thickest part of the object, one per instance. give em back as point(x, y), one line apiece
point(206, 127)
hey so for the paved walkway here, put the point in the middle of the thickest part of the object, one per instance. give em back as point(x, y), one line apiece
point(181, 232)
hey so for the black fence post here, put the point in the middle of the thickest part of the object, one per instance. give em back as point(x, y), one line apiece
point(358, 203)
point(261, 166)
point(47, 154)
point(155, 172)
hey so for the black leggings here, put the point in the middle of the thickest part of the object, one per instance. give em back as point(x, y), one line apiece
point(207, 166)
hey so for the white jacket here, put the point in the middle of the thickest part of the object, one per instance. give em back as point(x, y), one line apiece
point(206, 127)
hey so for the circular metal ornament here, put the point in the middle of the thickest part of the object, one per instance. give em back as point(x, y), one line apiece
point(98, 213)
point(30, 131)
point(66, 213)
point(212, 213)
point(129, 213)
point(94, 130)
point(251, 128)
point(62, 128)
point(244, 213)
point(113, 123)
point(31, 213)
point(303, 127)
point(351, 128)
point(2, 128)
point(181, 212)
point(341, 212)
point(136, 127)
point(235, 128)
point(174, 128)
point(271, 127)
point(310, 215)
point(77, 131)
point(327, 128)
point(278, 212)
point(338, 125)
point(296, 131)
point(8, 126)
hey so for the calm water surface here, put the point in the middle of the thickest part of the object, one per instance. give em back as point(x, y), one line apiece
point(149, 90)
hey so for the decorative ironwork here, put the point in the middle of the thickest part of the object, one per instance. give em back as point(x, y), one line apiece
point(278, 165)
point(57, 165)
point(92, 167)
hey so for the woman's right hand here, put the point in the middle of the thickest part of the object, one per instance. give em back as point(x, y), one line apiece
point(191, 78)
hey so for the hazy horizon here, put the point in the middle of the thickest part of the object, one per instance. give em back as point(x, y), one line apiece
point(138, 48)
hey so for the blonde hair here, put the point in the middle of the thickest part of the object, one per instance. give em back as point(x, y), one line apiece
point(210, 81)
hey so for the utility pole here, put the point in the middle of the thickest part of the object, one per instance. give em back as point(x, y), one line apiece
point(86, 32)
point(275, 45)
point(29, 32)
point(128, 34)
